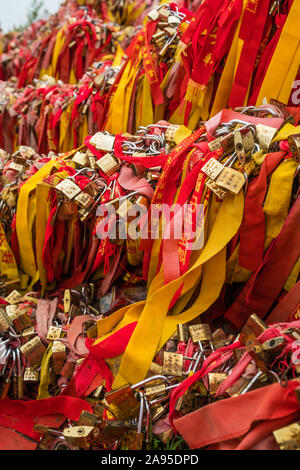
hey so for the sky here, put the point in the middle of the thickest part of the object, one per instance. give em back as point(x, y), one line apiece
point(13, 12)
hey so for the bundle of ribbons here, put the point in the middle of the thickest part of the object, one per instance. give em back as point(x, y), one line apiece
point(149, 203)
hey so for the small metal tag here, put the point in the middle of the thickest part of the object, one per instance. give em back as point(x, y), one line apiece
point(172, 364)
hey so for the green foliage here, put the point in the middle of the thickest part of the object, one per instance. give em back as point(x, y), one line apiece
point(35, 11)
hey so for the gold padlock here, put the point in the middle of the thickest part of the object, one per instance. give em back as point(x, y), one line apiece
point(122, 402)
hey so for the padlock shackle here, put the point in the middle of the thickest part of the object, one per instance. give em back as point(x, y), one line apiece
point(150, 379)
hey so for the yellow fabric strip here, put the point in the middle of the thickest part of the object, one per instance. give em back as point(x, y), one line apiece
point(227, 77)
point(27, 258)
point(153, 326)
point(278, 198)
point(293, 277)
point(8, 265)
point(282, 60)
point(45, 375)
point(42, 214)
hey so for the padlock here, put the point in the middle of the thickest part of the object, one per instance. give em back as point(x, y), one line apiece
point(84, 200)
point(212, 168)
point(87, 419)
point(31, 375)
point(215, 380)
point(200, 332)
point(5, 322)
point(243, 142)
point(170, 133)
point(288, 437)
point(33, 350)
point(294, 144)
point(219, 338)
point(153, 15)
point(182, 333)
point(133, 440)
point(68, 188)
point(54, 333)
point(14, 297)
point(265, 135)
point(68, 370)
point(157, 412)
point(20, 319)
point(79, 436)
point(122, 402)
point(109, 431)
point(58, 355)
point(172, 364)
point(225, 142)
point(248, 337)
point(231, 180)
point(80, 158)
point(103, 142)
point(219, 192)
point(108, 164)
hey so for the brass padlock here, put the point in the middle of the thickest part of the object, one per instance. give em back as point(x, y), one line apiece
point(108, 164)
point(215, 380)
point(87, 419)
point(294, 144)
point(244, 143)
point(231, 180)
point(200, 332)
point(109, 431)
point(219, 192)
point(79, 436)
point(248, 337)
point(58, 355)
point(103, 142)
point(68, 188)
point(31, 375)
point(288, 437)
point(33, 350)
point(68, 370)
point(5, 322)
point(172, 364)
point(133, 440)
point(212, 168)
point(122, 402)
